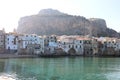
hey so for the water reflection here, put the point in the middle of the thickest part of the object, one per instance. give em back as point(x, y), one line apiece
point(4, 76)
point(74, 68)
point(113, 75)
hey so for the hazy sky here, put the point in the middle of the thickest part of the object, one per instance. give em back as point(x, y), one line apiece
point(12, 10)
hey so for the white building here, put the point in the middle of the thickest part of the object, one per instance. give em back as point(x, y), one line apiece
point(52, 46)
point(11, 41)
point(31, 42)
point(50, 39)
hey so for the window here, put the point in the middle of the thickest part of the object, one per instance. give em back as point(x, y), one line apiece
point(69, 46)
point(14, 40)
point(80, 46)
point(76, 46)
point(39, 46)
point(80, 41)
point(87, 52)
point(8, 47)
point(89, 42)
point(64, 43)
point(104, 42)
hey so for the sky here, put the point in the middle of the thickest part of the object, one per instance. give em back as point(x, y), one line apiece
point(12, 10)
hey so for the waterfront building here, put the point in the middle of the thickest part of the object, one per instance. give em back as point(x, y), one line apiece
point(67, 45)
point(2, 41)
point(118, 44)
point(52, 46)
point(94, 46)
point(78, 45)
point(49, 39)
point(87, 44)
point(50, 43)
point(31, 44)
point(11, 42)
point(71, 44)
point(110, 46)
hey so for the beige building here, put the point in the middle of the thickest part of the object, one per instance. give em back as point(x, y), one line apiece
point(94, 46)
point(87, 45)
point(72, 44)
point(79, 45)
point(111, 46)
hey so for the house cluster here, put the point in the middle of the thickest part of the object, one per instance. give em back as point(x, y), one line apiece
point(82, 45)
point(21, 43)
point(70, 45)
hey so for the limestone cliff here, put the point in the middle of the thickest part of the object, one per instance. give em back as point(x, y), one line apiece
point(49, 21)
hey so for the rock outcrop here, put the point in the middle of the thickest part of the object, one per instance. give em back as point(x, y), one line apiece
point(49, 21)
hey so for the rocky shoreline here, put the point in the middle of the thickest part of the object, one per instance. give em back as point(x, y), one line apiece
point(75, 55)
point(5, 56)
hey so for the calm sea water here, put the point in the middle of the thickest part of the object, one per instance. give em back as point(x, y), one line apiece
point(72, 68)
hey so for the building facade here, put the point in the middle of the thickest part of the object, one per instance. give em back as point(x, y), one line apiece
point(11, 42)
point(31, 44)
point(2, 41)
point(71, 45)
